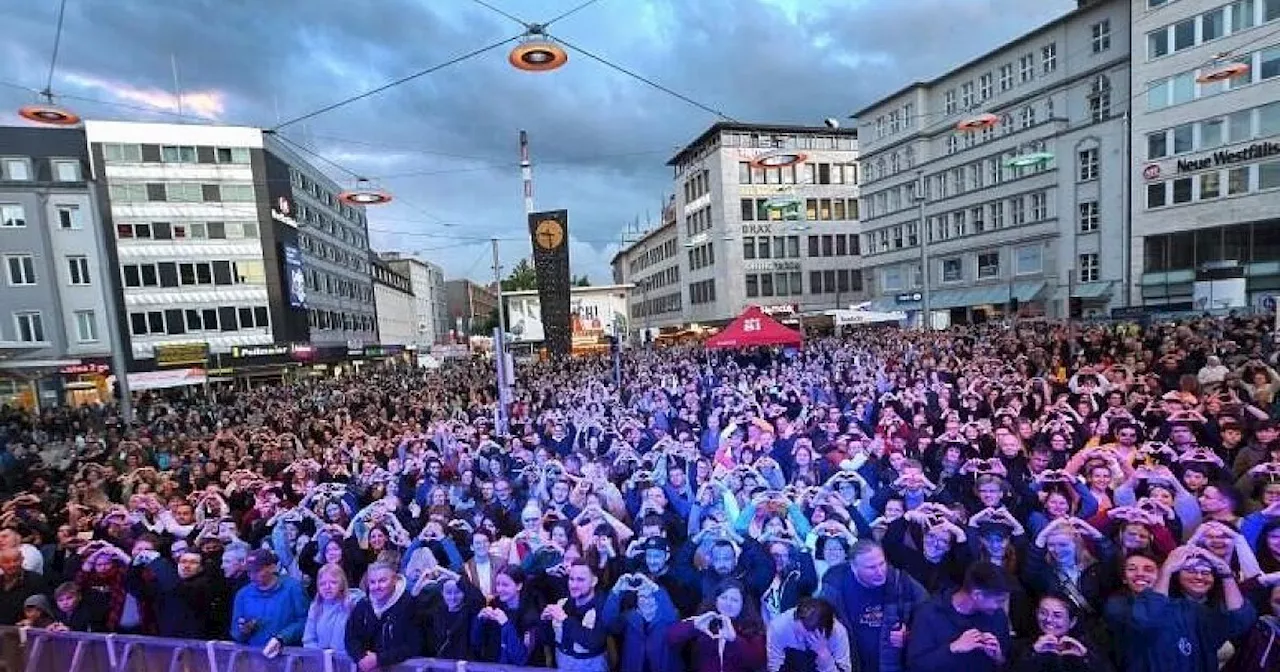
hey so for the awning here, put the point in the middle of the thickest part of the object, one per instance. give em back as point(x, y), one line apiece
point(969, 296)
point(1093, 290)
point(159, 380)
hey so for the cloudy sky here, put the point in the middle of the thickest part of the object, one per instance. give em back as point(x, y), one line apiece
point(446, 143)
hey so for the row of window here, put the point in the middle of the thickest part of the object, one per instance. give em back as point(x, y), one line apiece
point(816, 209)
point(186, 230)
point(703, 291)
point(20, 270)
point(698, 221)
point(697, 186)
point(19, 169)
point(1244, 243)
point(316, 219)
point(176, 321)
point(756, 140)
point(314, 189)
point(807, 173)
point(193, 274)
point(1214, 184)
point(1183, 87)
point(1027, 260)
point(836, 281)
point(657, 305)
point(665, 277)
point(775, 284)
point(29, 326)
point(782, 247)
point(333, 285)
point(1216, 23)
point(1198, 136)
point(131, 153)
point(333, 319)
point(355, 261)
point(179, 192)
point(653, 255)
point(14, 216)
point(987, 266)
point(702, 256)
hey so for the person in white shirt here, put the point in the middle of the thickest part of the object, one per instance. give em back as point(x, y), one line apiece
point(809, 638)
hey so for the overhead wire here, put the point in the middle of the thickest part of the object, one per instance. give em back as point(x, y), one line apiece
point(571, 12)
point(57, 42)
point(502, 12)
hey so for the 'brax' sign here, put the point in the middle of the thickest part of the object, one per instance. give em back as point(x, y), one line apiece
point(1224, 157)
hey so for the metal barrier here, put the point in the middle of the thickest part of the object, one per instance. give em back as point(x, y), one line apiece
point(31, 650)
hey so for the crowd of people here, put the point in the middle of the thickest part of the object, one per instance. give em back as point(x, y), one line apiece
point(995, 497)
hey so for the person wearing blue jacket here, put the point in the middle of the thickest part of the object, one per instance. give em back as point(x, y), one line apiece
point(875, 602)
point(271, 611)
point(642, 622)
point(384, 628)
point(1153, 632)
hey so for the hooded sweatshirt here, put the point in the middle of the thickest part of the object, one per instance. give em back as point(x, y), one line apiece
point(389, 628)
point(281, 613)
point(1260, 650)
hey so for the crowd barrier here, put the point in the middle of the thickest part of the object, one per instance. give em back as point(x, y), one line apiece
point(31, 650)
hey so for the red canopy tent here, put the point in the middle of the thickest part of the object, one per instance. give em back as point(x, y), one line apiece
point(753, 328)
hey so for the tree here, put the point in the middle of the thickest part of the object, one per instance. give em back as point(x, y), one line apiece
point(522, 277)
point(581, 281)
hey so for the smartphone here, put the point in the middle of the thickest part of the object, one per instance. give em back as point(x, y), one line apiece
point(85, 536)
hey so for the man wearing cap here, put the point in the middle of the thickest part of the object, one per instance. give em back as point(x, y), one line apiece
point(271, 611)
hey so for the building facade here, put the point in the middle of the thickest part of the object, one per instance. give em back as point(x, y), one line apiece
point(470, 306)
point(748, 230)
point(1206, 147)
point(394, 300)
point(55, 336)
point(1014, 214)
point(431, 303)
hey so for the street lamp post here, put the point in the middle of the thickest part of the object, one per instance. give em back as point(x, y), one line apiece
point(926, 319)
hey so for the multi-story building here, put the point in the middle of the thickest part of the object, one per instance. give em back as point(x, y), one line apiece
point(55, 336)
point(431, 303)
point(765, 215)
point(393, 298)
point(651, 265)
point(1016, 209)
point(470, 306)
point(1206, 148)
point(228, 247)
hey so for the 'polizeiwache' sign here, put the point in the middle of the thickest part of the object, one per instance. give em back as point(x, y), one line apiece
point(1226, 158)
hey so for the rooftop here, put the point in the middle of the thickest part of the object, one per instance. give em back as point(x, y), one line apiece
point(722, 126)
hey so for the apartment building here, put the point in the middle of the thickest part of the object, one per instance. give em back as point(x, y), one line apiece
point(431, 303)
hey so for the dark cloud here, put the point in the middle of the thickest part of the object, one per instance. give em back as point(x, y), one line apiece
point(446, 143)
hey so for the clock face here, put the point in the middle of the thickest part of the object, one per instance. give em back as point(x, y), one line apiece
point(548, 234)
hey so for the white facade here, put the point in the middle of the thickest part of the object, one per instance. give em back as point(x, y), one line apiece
point(652, 265)
point(1206, 163)
point(396, 322)
point(430, 301)
point(731, 251)
point(996, 233)
point(186, 232)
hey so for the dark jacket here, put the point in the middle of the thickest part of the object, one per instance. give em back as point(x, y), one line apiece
point(509, 644)
point(183, 605)
point(1259, 650)
point(871, 614)
point(1025, 659)
point(392, 631)
point(643, 641)
point(1154, 633)
point(11, 599)
point(448, 633)
point(745, 654)
point(937, 623)
point(584, 632)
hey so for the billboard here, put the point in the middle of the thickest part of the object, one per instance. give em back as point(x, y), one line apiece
point(295, 279)
point(549, 233)
point(594, 313)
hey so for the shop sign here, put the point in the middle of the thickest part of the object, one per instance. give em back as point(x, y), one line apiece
point(1225, 157)
point(302, 351)
point(756, 229)
point(85, 368)
point(771, 265)
point(241, 352)
point(781, 310)
point(1151, 172)
point(283, 212)
point(909, 297)
point(456, 351)
point(182, 354)
point(374, 351)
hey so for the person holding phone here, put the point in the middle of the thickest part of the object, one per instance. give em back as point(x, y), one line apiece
point(728, 635)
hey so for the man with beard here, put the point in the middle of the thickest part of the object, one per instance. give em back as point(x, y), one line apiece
point(185, 597)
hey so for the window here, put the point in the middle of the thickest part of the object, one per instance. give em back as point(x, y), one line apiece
point(1028, 116)
point(1006, 77)
point(1089, 268)
point(78, 267)
point(997, 214)
point(1184, 34)
point(12, 216)
point(1101, 36)
point(172, 154)
point(988, 265)
point(951, 270)
point(1019, 210)
point(30, 326)
point(69, 217)
point(1088, 216)
point(984, 87)
point(1269, 175)
point(1026, 68)
point(1100, 99)
point(232, 154)
point(966, 95)
point(1028, 259)
point(86, 326)
point(1049, 57)
point(749, 248)
point(1210, 133)
point(22, 269)
point(1156, 195)
point(15, 170)
point(949, 101)
point(66, 171)
point(891, 278)
point(122, 153)
point(1210, 185)
point(1213, 24)
point(1240, 126)
point(1158, 43)
point(1182, 190)
point(1039, 206)
point(1269, 120)
point(1088, 160)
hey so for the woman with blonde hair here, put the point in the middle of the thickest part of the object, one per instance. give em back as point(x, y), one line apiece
point(327, 618)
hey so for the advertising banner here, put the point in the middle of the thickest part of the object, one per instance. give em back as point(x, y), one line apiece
point(295, 279)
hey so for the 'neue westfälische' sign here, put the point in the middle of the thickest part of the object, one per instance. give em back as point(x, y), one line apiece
point(1225, 158)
